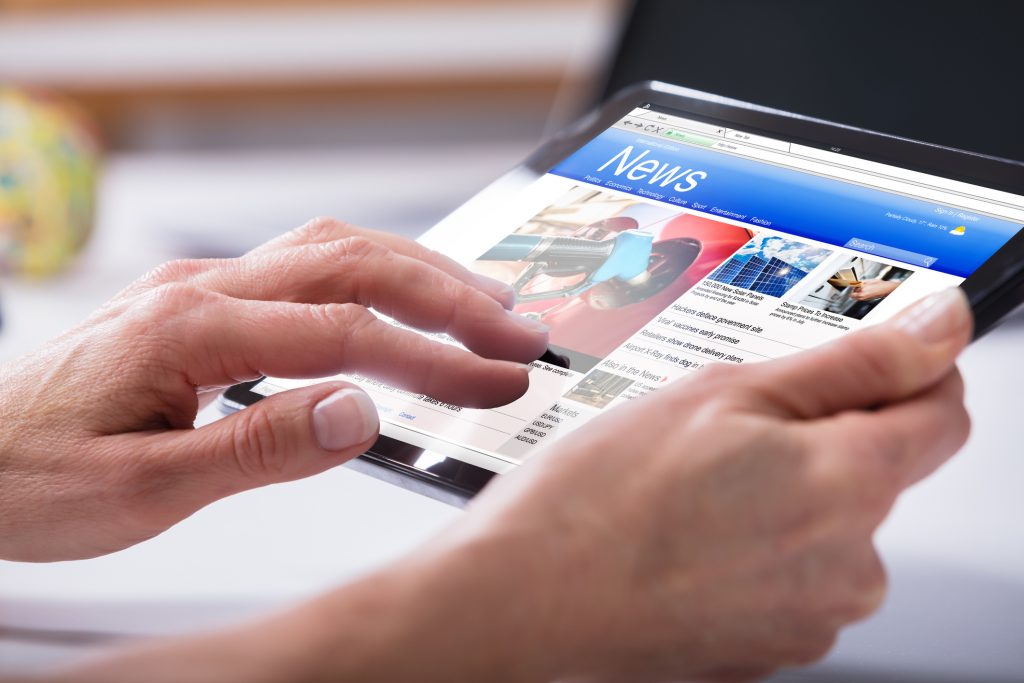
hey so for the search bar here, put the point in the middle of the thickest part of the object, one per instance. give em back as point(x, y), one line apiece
point(891, 252)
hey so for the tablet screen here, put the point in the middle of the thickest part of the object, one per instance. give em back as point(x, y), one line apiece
point(666, 244)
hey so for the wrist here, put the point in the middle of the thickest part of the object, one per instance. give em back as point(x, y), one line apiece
point(482, 603)
point(466, 609)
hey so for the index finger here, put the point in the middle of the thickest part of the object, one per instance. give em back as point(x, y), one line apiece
point(321, 230)
point(362, 271)
point(229, 340)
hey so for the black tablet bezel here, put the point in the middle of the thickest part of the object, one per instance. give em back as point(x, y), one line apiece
point(994, 290)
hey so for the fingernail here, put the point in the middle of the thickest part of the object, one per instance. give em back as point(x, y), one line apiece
point(531, 324)
point(501, 291)
point(345, 418)
point(937, 317)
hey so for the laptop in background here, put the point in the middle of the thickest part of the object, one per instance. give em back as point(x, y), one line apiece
point(943, 72)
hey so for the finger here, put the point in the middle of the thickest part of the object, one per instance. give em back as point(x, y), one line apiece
point(233, 340)
point(362, 271)
point(900, 443)
point(881, 364)
point(837, 580)
point(284, 437)
point(180, 270)
point(323, 230)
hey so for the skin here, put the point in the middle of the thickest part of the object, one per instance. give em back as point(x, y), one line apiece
point(717, 530)
point(97, 452)
point(874, 289)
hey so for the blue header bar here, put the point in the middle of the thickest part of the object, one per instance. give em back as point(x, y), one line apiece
point(921, 233)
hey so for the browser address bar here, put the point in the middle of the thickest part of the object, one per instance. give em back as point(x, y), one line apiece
point(878, 177)
point(846, 174)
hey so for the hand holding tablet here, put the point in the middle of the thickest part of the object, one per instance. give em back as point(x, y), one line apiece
point(723, 527)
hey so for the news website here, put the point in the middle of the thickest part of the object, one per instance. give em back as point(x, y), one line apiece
point(666, 244)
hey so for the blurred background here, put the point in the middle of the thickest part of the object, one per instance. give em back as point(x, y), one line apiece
point(225, 122)
point(135, 131)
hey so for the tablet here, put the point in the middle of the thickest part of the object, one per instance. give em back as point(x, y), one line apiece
point(674, 229)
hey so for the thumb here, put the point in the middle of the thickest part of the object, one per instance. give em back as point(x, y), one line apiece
point(878, 365)
point(284, 437)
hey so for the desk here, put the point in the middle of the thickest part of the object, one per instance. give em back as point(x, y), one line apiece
point(954, 544)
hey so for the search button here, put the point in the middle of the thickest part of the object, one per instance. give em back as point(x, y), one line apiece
point(891, 252)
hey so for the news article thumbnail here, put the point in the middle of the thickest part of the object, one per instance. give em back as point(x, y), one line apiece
point(599, 388)
point(857, 287)
point(770, 265)
point(597, 266)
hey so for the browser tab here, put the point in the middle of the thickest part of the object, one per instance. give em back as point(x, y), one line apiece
point(759, 140)
point(684, 136)
point(688, 124)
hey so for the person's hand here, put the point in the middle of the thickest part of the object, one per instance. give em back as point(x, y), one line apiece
point(874, 289)
point(97, 449)
point(722, 527)
point(715, 530)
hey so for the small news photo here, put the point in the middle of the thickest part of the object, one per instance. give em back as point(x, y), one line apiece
point(771, 265)
point(596, 266)
point(599, 388)
point(857, 287)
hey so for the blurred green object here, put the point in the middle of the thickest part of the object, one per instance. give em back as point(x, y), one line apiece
point(49, 160)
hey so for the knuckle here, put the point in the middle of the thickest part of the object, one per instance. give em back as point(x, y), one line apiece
point(320, 229)
point(257, 447)
point(351, 318)
point(172, 271)
point(456, 300)
point(358, 261)
point(175, 297)
point(356, 248)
